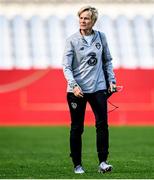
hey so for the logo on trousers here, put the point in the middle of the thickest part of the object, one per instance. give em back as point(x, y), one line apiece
point(74, 105)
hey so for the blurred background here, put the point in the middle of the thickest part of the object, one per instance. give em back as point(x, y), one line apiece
point(32, 41)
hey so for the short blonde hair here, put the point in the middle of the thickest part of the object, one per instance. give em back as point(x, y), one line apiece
point(93, 11)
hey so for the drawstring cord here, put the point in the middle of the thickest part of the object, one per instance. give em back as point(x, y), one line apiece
point(115, 107)
point(118, 89)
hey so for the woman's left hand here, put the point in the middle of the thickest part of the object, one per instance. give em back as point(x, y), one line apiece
point(113, 87)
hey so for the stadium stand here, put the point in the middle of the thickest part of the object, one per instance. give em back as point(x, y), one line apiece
point(55, 40)
point(6, 49)
point(76, 1)
point(126, 42)
point(106, 25)
point(144, 44)
point(20, 43)
point(38, 42)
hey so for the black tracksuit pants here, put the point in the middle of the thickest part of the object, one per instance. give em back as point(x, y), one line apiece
point(77, 106)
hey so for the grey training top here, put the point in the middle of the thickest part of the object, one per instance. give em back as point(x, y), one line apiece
point(83, 65)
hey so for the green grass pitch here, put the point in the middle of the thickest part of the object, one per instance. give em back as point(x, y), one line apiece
point(43, 152)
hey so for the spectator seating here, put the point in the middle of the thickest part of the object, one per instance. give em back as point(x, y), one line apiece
point(38, 42)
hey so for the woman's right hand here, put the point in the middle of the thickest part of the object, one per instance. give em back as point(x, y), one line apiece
point(78, 92)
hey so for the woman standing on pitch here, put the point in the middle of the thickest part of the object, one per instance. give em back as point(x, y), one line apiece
point(88, 69)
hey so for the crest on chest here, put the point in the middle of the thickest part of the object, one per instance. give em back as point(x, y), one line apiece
point(98, 46)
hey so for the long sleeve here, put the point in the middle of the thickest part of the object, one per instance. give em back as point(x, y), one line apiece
point(67, 63)
point(108, 62)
